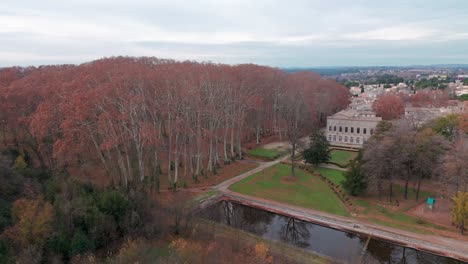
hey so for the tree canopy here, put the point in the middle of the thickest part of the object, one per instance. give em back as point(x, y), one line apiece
point(389, 106)
point(355, 182)
point(318, 149)
point(131, 119)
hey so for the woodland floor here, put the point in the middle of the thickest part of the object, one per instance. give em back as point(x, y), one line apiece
point(223, 173)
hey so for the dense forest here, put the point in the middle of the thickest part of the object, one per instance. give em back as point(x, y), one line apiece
point(82, 144)
point(135, 115)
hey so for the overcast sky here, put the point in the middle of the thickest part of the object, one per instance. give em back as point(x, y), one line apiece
point(283, 33)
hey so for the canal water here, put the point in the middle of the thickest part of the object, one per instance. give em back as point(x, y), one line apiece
point(339, 245)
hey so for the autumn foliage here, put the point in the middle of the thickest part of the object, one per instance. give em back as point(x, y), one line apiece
point(135, 119)
point(389, 106)
point(33, 222)
point(430, 98)
point(460, 211)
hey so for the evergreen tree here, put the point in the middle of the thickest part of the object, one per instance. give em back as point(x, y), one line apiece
point(355, 182)
point(318, 149)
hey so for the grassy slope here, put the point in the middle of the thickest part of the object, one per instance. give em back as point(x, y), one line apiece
point(336, 176)
point(342, 157)
point(396, 219)
point(306, 191)
point(264, 153)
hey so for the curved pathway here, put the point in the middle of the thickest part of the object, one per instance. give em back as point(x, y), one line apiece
point(430, 243)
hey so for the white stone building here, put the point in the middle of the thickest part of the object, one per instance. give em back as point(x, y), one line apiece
point(351, 128)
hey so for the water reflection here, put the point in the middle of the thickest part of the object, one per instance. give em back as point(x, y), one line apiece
point(296, 232)
point(342, 246)
point(242, 217)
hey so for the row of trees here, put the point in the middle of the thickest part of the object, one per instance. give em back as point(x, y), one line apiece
point(139, 117)
point(400, 152)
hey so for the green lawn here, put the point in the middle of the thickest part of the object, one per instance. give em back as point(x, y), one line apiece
point(335, 176)
point(396, 219)
point(306, 190)
point(342, 157)
point(265, 153)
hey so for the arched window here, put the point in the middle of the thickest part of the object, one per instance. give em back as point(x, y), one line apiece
point(364, 131)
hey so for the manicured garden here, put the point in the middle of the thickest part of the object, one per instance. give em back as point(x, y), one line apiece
point(342, 157)
point(304, 190)
point(261, 152)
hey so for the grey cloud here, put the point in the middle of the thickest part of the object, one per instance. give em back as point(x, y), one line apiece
point(277, 33)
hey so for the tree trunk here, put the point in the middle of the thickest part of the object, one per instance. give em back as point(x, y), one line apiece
point(406, 186)
point(123, 170)
point(239, 147)
point(226, 159)
point(209, 167)
point(232, 140)
point(169, 156)
point(293, 164)
point(176, 162)
point(417, 190)
point(198, 139)
point(391, 191)
point(156, 179)
point(129, 167)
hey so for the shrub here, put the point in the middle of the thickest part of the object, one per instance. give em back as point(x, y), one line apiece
point(80, 244)
point(5, 215)
point(20, 163)
point(59, 243)
point(5, 253)
point(113, 203)
point(420, 221)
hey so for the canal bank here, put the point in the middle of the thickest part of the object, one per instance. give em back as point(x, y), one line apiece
point(396, 237)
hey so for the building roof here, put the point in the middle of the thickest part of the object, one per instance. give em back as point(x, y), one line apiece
point(356, 115)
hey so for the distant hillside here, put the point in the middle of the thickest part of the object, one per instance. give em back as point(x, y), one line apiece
point(330, 71)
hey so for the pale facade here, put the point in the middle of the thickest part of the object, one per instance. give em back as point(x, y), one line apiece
point(351, 128)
